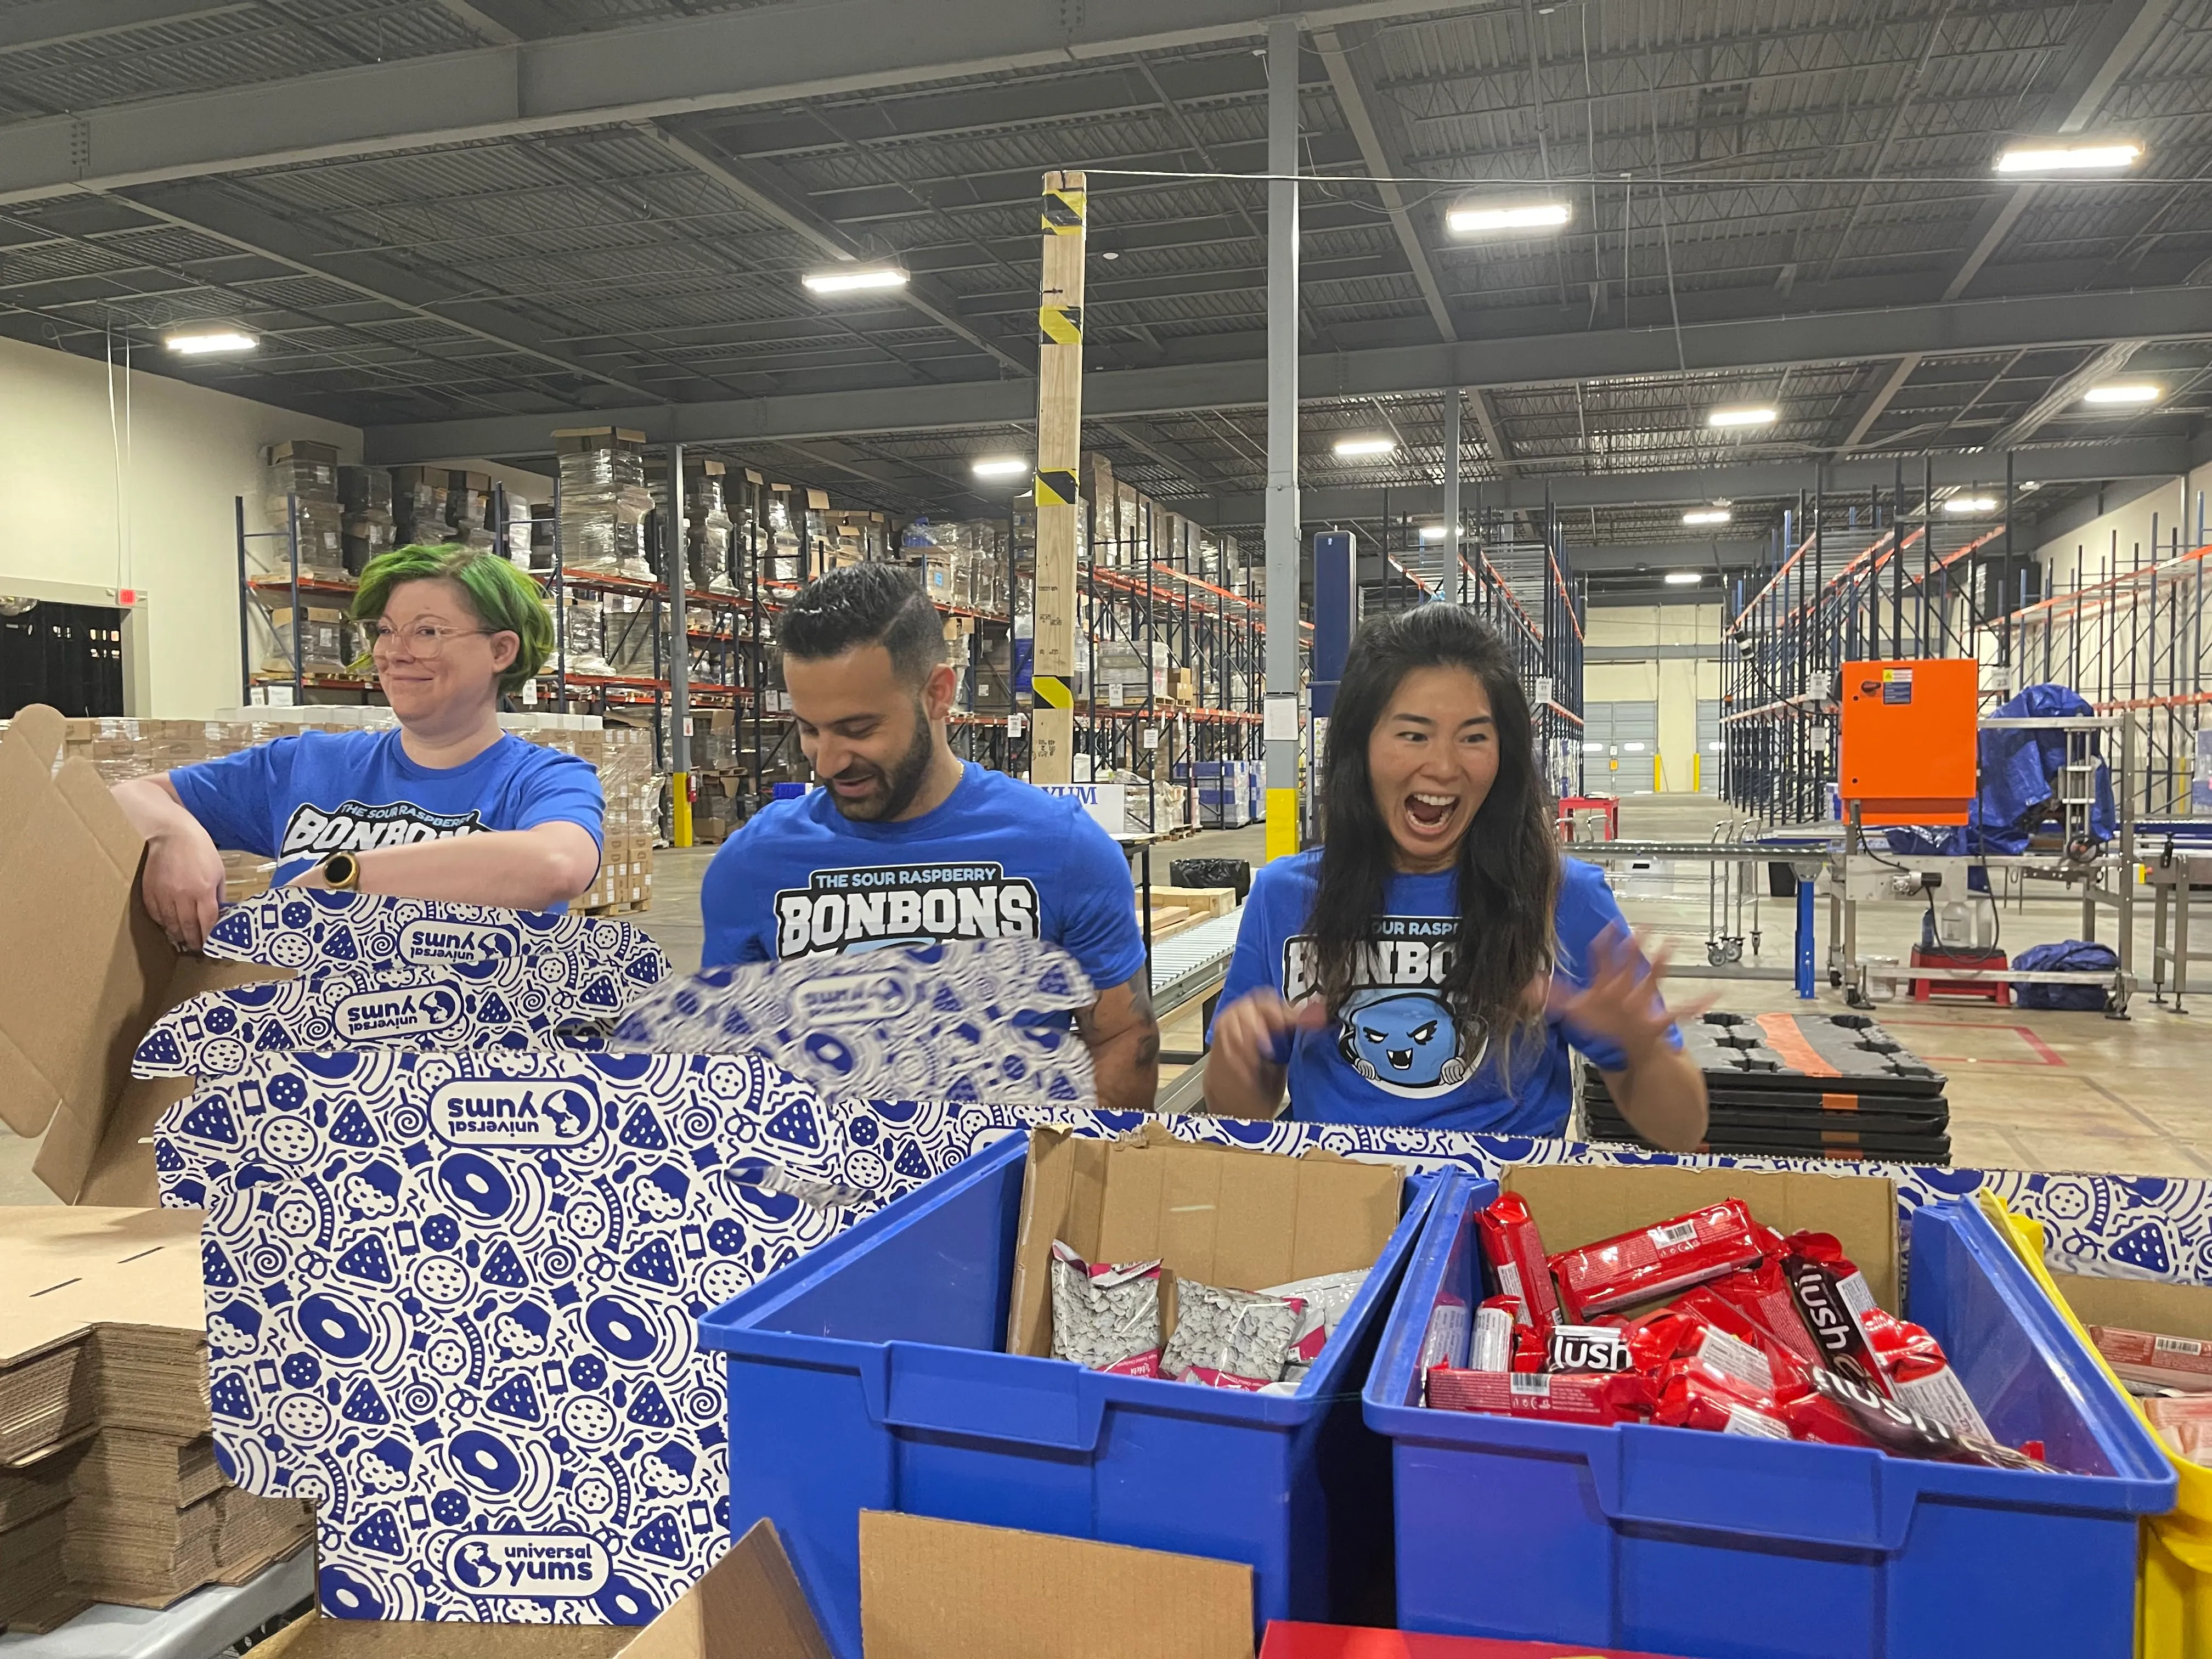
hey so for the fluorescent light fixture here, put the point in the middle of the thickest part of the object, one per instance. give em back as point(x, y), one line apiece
point(999, 466)
point(1366, 446)
point(1432, 532)
point(2068, 158)
point(207, 342)
point(1474, 220)
point(1712, 748)
point(1970, 504)
point(854, 278)
point(2123, 392)
point(1742, 415)
point(1631, 749)
point(1707, 515)
point(1684, 578)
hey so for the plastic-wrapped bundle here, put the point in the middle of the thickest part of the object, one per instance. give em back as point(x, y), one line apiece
point(629, 629)
point(582, 638)
point(604, 503)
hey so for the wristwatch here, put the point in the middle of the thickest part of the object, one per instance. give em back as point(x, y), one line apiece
point(342, 871)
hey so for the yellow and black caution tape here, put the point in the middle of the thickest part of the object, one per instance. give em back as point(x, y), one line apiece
point(1063, 212)
point(1056, 487)
point(1051, 691)
point(1060, 324)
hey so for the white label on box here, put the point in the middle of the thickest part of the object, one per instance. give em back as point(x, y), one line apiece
point(1151, 738)
point(1106, 803)
point(1016, 725)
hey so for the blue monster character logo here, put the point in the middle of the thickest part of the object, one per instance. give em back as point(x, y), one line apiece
point(1405, 1041)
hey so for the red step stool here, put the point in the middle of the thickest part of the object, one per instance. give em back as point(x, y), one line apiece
point(1984, 990)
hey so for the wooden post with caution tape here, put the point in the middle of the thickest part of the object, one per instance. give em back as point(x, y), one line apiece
point(1059, 453)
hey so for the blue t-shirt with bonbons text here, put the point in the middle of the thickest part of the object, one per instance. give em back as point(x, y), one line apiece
point(998, 858)
point(300, 799)
point(1394, 1055)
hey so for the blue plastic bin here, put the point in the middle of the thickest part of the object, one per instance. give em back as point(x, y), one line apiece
point(868, 1375)
point(1727, 1547)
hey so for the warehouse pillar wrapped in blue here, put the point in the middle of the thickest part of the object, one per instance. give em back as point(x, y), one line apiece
point(1735, 1546)
point(905, 1365)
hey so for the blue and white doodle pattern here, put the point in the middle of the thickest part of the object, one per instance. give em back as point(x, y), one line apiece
point(297, 927)
point(505, 1002)
point(452, 1298)
point(962, 1021)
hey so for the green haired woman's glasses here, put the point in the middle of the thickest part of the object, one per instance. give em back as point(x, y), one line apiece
point(422, 643)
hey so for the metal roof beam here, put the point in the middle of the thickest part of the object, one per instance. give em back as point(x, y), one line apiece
point(1961, 326)
point(2065, 393)
point(1892, 384)
point(57, 22)
point(782, 53)
point(2120, 35)
point(2139, 457)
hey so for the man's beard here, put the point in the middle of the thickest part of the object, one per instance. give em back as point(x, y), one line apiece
point(895, 789)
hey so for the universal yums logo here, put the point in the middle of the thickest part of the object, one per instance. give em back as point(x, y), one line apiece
point(454, 941)
point(515, 1111)
point(371, 1014)
point(527, 1563)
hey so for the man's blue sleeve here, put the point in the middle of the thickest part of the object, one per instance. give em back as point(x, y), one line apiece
point(233, 797)
point(1099, 914)
point(1587, 908)
point(563, 788)
point(733, 907)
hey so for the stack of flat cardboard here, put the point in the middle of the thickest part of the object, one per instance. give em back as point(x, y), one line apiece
point(109, 1490)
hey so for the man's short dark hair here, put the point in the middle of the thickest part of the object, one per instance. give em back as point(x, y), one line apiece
point(865, 604)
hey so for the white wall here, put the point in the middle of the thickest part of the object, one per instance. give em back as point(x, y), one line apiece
point(1674, 682)
point(2174, 506)
point(169, 531)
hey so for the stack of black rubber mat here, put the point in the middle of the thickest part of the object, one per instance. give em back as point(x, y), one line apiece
point(1802, 1086)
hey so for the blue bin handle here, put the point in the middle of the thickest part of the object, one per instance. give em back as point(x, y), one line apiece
point(975, 1393)
point(1857, 1495)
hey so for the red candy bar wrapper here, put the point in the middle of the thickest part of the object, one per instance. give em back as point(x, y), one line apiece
point(1832, 1298)
point(1812, 1416)
point(1530, 1351)
point(1692, 1397)
point(1516, 1251)
point(1920, 1375)
point(1655, 1261)
point(1905, 1433)
point(1568, 1398)
point(1785, 1370)
point(2168, 1362)
point(1761, 1295)
point(1587, 1348)
point(1491, 1348)
point(1214, 1379)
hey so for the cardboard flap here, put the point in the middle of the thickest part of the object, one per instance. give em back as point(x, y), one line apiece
point(1222, 1215)
point(942, 1589)
point(63, 1269)
point(2141, 1304)
point(317, 1638)
point(749, 1606)
point(1579, 1203)
point(39, 729)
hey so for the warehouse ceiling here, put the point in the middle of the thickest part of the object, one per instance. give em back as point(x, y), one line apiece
point(461, 223)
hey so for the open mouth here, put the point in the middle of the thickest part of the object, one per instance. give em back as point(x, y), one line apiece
point(1430, 813)
point(1401, 1060)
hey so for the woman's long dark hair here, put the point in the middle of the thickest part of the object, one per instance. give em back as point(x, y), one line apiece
point(1508, 861)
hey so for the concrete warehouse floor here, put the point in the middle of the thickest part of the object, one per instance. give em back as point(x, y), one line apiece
point(2028, 1090)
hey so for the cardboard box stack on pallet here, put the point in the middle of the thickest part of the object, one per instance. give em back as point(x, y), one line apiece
point(122, 748)
point(305, 474)
point(366, 527)
point(604, 500)
point(109, 1490)
point(721, 779)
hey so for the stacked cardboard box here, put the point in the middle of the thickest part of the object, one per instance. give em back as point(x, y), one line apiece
point(326, 641)
point(365, 493)
point(706, 528)
point(121, 748)
point(604, 500)
point(109, 1490)
point(419, 505)
point(303, 476)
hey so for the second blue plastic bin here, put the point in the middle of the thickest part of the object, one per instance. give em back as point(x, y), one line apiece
point(868, 1375)
point(1729, 1546)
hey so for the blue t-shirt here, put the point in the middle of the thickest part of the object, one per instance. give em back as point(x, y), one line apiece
point(996, 860)
point(1394, 1055)
point(301, 798)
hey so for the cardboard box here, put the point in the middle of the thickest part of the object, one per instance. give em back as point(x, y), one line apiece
point(69, 900)
point(1288, 1640)
point(929, 1590)
point(1580, 1204)
point(1223, 1216)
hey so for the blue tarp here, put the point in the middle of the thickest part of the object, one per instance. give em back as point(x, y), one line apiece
point(2070, 956)
point(2020, 773)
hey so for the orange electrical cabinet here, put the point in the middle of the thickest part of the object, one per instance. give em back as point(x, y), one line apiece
point(1908, 739)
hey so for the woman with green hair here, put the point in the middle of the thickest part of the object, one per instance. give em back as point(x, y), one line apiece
point(444, 806)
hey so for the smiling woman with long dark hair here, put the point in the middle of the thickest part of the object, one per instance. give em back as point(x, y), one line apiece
point(1432, 962)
